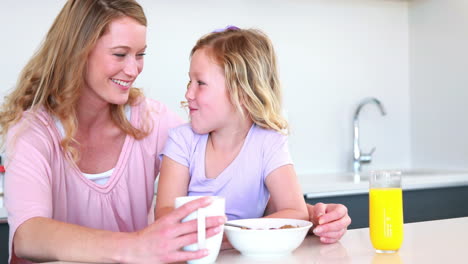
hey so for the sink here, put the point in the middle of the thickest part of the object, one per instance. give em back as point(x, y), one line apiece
point(428, 172)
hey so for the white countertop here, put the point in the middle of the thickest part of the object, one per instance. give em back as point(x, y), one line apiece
point(326, 185)
point(441, 241)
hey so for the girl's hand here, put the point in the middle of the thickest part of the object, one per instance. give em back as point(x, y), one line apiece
point(330, 221)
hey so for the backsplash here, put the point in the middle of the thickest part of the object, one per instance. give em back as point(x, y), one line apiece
point(331, 55)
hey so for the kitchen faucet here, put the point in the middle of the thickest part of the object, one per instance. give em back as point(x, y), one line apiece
point(360, 158)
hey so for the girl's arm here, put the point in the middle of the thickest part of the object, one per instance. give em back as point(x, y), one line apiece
point(286, 198)
point(173, 182)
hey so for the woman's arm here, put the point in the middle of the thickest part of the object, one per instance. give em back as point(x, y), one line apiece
point(286, 198)
point(44, 239)
point(173, 182)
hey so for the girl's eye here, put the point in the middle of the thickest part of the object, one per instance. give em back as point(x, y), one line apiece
point(141, 54)
point(201, 83)
point(121, 55)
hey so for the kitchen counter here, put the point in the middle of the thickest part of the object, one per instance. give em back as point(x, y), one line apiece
point(326, 185)
point(440, 241)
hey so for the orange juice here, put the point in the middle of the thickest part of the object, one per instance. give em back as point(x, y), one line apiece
point(386, 218)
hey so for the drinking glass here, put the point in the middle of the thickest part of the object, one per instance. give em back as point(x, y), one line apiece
point(386, 211)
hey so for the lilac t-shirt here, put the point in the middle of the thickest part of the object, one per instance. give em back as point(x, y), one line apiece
point(41, 182)
point(242, 182)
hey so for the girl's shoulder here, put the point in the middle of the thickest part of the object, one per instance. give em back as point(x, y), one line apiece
point(266, 134)
point(185, 132)
point(185, 128)
point(184, 141)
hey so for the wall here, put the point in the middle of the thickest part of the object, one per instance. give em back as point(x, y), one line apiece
point(439, 61)
point(332, 54)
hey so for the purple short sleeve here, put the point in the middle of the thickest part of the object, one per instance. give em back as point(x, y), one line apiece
point(277, 154)
point(178, 145)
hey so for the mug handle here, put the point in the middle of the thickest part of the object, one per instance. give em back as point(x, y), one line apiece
point(201, 228)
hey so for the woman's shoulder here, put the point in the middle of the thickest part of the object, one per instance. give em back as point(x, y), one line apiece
point(32, 122)
point(157, 113)
point(35, 129)
point(152, 106)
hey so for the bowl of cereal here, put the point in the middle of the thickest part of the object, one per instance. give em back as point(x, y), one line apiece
point(266, 237)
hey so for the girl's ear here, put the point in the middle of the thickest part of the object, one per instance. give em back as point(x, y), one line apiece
point(242, 100)
point(242, 104)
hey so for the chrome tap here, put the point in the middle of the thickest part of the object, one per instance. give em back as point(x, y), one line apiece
point(360, 158)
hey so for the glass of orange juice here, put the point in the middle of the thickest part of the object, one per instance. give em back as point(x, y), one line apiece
point(386, 211)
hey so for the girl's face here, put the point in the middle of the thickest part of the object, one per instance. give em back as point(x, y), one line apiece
point(115, 62)
point(207, 95)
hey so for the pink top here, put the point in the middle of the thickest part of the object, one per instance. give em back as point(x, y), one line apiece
point(40, 181)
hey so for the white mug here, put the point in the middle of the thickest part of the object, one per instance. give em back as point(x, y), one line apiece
point(213, 244)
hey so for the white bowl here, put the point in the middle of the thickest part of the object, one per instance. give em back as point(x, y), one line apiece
point(261, 241)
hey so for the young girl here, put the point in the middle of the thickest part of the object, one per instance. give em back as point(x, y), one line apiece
point(235, 145)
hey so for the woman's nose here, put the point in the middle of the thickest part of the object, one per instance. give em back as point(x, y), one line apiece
point(132, 68)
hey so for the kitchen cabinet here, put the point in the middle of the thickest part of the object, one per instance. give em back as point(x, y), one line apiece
point(418, 205)
point(4, 242)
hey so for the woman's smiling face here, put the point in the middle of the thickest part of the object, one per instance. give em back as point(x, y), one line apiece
point(116, 61)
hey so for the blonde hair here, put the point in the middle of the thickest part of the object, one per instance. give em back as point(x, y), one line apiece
point(249, 63)
point(54, 76)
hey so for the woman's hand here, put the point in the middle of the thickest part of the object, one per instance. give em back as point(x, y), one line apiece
point(330, 221)
point(162, 241)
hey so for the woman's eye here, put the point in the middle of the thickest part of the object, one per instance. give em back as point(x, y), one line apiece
point(119, 55)
point(141, 54)
point(201, 83)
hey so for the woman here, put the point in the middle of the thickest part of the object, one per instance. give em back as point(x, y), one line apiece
point(83, 145)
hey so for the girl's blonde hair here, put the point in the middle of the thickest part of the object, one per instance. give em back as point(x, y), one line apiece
point(249, 63)
point(54, 76)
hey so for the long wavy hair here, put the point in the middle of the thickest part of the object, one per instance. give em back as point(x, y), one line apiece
point(249, 62)
point(54, 76)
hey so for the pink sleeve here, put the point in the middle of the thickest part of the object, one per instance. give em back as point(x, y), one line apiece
point(27, 179)
point(172, 120)
point(164, 119)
